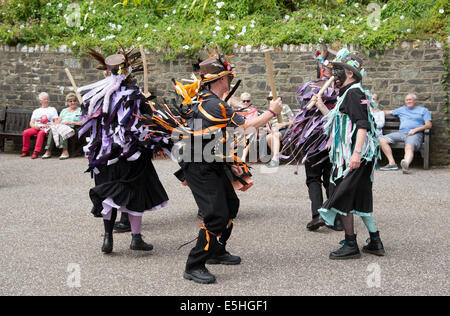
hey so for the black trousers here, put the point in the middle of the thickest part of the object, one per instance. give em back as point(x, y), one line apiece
point(217, 202)
point(316, 176)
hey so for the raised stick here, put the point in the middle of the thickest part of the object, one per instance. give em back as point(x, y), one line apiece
point(144, 63)
point(269, 70)
point(74, 86)
point(321, 92)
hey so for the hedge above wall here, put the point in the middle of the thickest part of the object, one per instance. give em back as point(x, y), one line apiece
point(186, 26)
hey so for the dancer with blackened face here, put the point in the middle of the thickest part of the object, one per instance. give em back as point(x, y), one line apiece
point(353, 150)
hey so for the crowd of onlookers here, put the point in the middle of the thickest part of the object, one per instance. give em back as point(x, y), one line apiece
point(414, 119)
point(45, 121)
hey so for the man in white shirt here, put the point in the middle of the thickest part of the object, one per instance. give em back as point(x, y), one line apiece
point(41, 119)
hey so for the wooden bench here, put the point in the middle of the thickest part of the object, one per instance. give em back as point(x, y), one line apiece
point(14, 121)
point(393, 124)
point(12, 124)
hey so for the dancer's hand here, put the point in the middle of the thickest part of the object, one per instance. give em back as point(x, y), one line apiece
point(276, 105)
point(355, 161)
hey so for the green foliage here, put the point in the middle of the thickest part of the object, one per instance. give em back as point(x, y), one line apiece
point(186, 26)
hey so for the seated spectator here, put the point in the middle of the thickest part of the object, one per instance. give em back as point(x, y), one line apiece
point(63, 128)
point(277, 131)
point(414, 120)
point(378, 116)
point(41, 120)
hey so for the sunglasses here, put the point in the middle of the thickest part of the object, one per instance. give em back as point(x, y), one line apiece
point(245, 101)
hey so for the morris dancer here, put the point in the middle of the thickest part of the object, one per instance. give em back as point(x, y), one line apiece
point(119, 160)
point(211, 179)
point(354, 151)
point(305, 140)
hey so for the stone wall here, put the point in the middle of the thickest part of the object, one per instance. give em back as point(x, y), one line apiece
point(26, 71)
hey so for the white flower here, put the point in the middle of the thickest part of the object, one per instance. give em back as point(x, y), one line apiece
point(74, 43)
point(441, 11)
point(384, 7)
point(119, 27)
point(146, 25)
point(49, 4)
point(185, 6)
point(186, 46)
point(402, 17)
point(218, 22)
point(93, 11)
point(340, 20)
point(59, 5)
point(325, 27)
point(139, 38)
point(218, 12)
point(343, 15)
point(81, 28)
point(154, 30)
point(91, 31)
point(169, 28)
point(252, 22)
point(252, 25)
point(408, 30)
point(201, 32)
point(103, 39)
point(220, 5)
point(356, 5)
point(232, 27)
point(174, 12)
point(218, 28)
point(227, 36)
point(232, 16)
point(375, 28)
point(343, 31)
point(353, 22)
point(287, 17)
point(310, 15)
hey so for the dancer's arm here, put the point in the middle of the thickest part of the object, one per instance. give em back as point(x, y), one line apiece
point(355, 160)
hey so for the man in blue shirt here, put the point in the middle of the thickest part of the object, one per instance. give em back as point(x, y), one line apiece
point(414, 120)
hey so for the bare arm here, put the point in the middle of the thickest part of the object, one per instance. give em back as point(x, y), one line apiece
point(355, 160)
point(33, 125)
point(427, 125)
point(264, 118)
point(387, 112)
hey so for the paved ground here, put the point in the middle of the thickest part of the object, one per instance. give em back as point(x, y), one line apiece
point(46, 226)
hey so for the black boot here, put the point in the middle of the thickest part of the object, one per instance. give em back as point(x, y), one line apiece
point(375, 246)
point(225, 258)
point(108, 243)
point(199, 275)
point(316, 223)
point(221, 255)
point(349, 249)
point(124, 225)
point(138, 244)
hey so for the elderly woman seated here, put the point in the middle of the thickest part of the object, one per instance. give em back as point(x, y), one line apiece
point(64, 128)
point(41, 120)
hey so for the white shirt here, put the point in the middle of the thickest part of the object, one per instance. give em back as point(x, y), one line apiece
point(44, 116)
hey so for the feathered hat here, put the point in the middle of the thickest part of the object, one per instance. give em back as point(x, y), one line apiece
point(214, 68)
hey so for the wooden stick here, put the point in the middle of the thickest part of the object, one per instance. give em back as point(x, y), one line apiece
point(74, 86)
point(269, 70)
point(321, 92)
point(144, 63)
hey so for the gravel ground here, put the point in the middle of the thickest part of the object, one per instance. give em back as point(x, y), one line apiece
point(47, 227)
